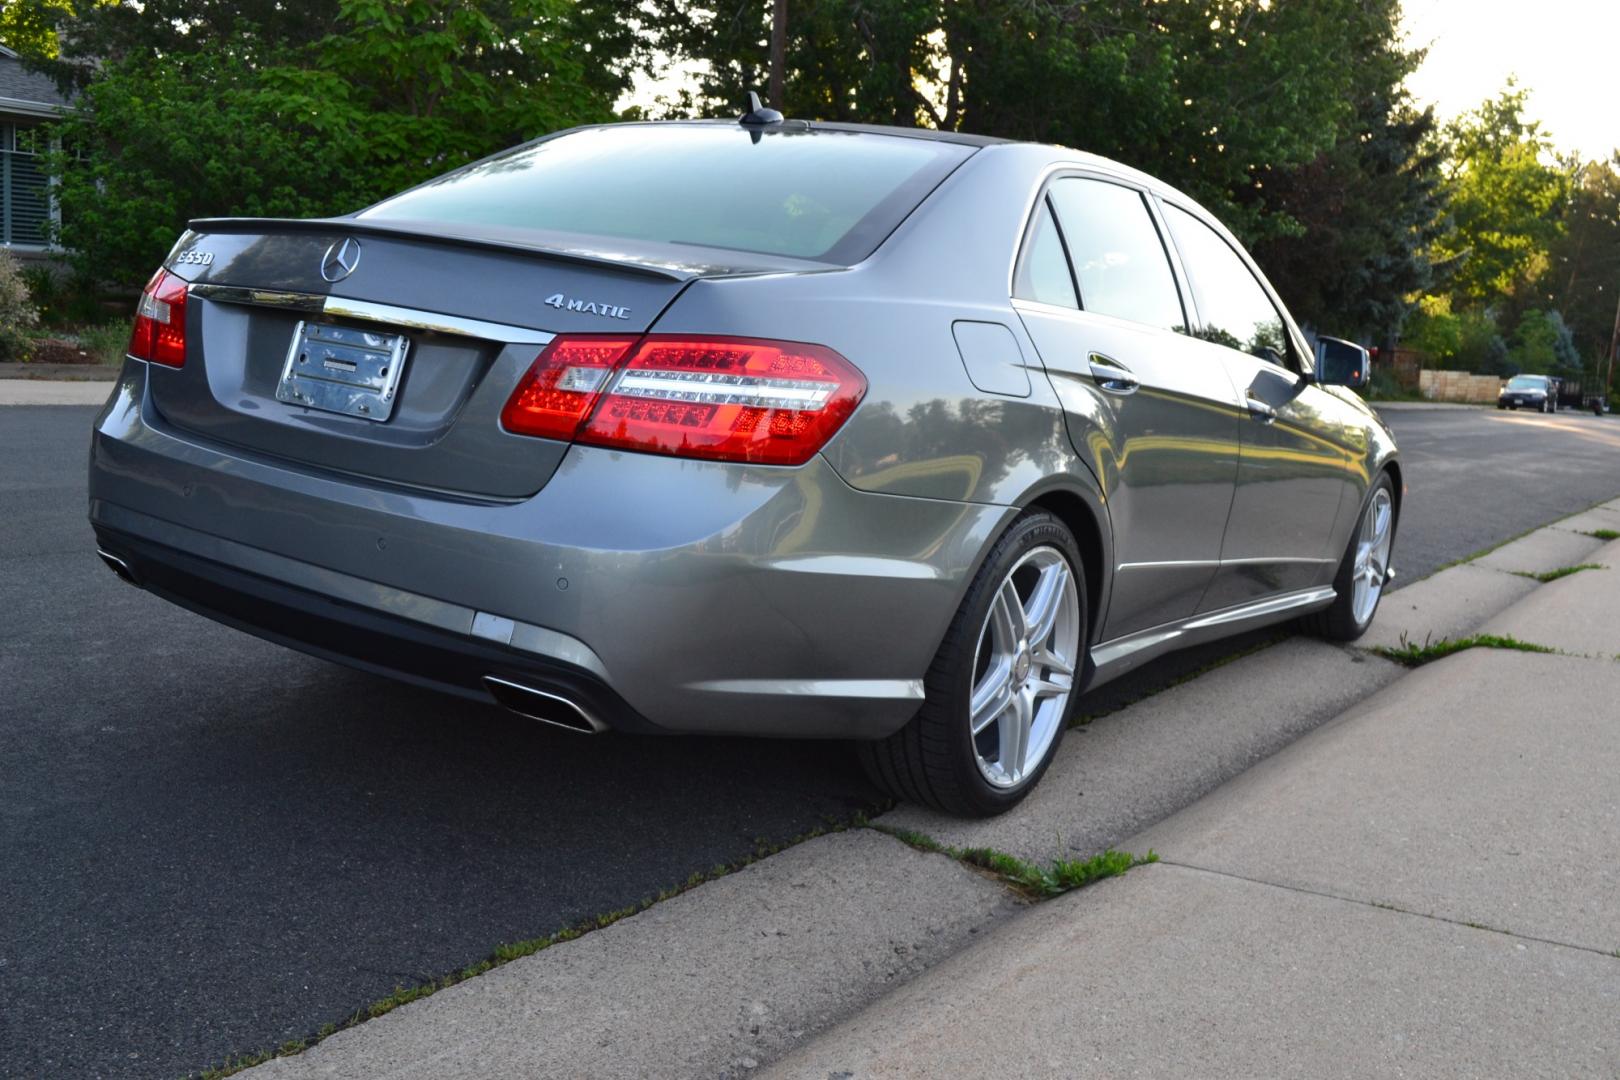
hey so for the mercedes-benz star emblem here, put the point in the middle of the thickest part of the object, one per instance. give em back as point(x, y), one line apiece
point(340, 259)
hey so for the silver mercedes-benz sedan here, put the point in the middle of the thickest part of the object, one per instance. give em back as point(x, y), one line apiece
point(760, 427)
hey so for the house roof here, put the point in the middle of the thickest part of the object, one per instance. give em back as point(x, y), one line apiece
point(26, 92)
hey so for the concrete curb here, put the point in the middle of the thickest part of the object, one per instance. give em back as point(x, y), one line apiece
point(62, 372)
point(1176, 972)
point(1422, 406)
point(710, 983)
point(1423, 886)
point(48, 392)
point(748, 968)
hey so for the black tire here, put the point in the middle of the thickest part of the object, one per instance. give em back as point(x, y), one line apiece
point(1338, 621)
point(931, 760)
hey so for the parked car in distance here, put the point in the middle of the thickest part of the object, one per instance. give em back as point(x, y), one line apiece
point(1537, 392)
point(755, 427)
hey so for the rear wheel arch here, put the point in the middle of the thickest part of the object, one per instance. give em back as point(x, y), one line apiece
point(1088, 526)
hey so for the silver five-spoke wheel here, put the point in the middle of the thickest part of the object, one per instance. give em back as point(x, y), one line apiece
point(1024, 666)
point(1372, 555)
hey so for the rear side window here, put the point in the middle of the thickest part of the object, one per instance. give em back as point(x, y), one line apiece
point(1044, 273)
point(828, 196)
point(1232, 305)
point(1119, 259)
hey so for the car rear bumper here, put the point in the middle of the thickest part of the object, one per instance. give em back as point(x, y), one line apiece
point(414, 651)
point(655, 593)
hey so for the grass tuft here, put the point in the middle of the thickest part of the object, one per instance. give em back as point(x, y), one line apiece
point(1561, 572)
point(1063, 875)
point(1605, 534)
point(1413, 655)
point(1036, 882)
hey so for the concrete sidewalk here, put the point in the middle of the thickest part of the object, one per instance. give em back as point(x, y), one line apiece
point(20, 391)
point(1372, 871)
point(1426, 886)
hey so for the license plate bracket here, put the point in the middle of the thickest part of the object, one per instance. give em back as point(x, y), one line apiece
point(343, 370)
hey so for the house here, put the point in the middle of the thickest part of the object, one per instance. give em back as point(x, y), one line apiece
point(27, 99)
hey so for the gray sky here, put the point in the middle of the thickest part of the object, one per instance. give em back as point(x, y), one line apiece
point(1566, 52)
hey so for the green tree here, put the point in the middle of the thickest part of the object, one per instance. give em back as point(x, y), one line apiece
point(1207, 95)
point(355, 101)
point(1584, 277)
point(163, 141)
point(1370, 207)
point(1507, 196)
point(1542, 345)
point(28, 27)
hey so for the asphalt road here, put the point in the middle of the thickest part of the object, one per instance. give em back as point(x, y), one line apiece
point(211, 844)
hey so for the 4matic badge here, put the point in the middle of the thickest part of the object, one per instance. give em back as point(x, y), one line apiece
point(587, 307)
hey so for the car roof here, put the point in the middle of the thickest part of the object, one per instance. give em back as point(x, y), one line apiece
point(1052, 153)
point(794, 125)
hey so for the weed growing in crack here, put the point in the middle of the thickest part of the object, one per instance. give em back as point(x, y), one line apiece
point(1036, 882)
point(1561, 572)
point(1414, 655)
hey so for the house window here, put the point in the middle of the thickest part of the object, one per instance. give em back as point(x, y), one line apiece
point(25, 198)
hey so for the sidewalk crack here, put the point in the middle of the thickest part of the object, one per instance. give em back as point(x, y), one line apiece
point(1382, 906)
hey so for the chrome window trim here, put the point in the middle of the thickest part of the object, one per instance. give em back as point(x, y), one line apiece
point(367, 311)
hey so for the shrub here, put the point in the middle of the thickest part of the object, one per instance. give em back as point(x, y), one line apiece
point(17, 312)
point(107, 342)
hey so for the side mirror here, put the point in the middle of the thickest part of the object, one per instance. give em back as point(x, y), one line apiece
point(1342, 363)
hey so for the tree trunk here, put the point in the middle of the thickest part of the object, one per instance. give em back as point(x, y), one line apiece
point(778, 53)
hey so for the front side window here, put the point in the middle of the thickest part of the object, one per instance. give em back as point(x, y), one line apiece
point(1233, 307)
point(1119, 261)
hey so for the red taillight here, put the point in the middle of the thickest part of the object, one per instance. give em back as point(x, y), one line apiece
point(720, 398)
point(727, 399)
point(562, 384)
point(160, 321)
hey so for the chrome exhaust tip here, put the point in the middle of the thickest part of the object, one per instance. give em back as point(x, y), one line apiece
point(119, 567)
point(542, 705)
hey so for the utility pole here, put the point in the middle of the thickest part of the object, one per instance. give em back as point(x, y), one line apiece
point(1614, 344)
point(778, 52)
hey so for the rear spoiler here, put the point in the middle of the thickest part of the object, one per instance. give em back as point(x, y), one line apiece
point(666, 262)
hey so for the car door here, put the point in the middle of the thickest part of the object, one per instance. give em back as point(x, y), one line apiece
point(1157, 420)
point(1295, 463)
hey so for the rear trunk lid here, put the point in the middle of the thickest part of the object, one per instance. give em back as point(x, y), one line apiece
point(448, 324)
point(384, 344)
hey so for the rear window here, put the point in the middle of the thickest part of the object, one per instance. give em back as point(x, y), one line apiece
point(827, 196)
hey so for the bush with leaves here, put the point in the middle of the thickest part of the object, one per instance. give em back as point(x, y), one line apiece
point(227, 119)
point(17, 312)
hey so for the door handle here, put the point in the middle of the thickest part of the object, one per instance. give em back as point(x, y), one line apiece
point(1111, 376)
point(1259, 410)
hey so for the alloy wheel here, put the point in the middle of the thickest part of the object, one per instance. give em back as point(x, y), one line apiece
point(1372, 555)
point(1024, 666)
